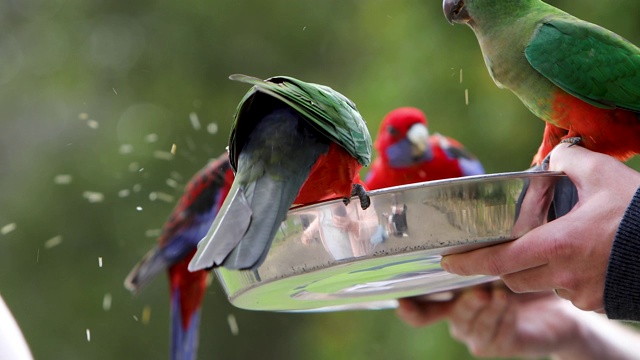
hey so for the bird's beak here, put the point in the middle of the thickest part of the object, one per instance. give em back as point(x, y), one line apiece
point(418, 135)
point(455, 11)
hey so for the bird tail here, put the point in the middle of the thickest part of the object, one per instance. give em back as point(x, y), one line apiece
point(271, 171)
point(271, 198)
point(225, 233)
point(146, 270)
point(184, 332)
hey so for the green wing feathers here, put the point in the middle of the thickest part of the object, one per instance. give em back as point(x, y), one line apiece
point(327, 110)
point(587, 61)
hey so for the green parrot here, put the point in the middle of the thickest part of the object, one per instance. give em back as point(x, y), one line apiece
point(292, 142)
point(581, 79)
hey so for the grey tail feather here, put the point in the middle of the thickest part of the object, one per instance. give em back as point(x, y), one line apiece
point(226, 232)
point(145, 271)
point(271, 211)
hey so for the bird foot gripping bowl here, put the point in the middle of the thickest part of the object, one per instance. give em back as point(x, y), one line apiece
point(328, 257)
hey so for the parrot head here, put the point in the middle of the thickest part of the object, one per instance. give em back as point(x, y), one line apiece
point(477, 12)
point(403, 138)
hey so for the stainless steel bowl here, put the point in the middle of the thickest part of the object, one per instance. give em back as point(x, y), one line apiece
point(329, 257)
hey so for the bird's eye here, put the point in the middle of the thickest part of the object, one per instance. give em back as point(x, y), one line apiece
point(393, 131)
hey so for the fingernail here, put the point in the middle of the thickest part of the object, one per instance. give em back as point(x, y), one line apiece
point(444, 263)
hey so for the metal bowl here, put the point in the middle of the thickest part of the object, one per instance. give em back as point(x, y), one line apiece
point(329, 257)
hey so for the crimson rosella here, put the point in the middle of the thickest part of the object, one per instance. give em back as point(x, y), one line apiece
point(188, 223)
point(408, 154)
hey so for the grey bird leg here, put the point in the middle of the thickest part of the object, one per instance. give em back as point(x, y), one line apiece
point(361, 193)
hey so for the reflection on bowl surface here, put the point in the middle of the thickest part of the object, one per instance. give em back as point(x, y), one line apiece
point(329, 257)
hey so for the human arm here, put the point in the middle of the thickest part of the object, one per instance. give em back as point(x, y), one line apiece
point(622, 288)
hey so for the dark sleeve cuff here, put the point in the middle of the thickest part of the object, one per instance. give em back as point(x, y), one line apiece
point(622, 284)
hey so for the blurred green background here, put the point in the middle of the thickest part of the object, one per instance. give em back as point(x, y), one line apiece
point(94, 93)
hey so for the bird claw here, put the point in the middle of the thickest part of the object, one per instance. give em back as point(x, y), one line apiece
point(545, 163)
point(572, 141)
point(359, 191)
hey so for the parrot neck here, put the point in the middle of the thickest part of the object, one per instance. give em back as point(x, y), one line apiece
point(503, 45)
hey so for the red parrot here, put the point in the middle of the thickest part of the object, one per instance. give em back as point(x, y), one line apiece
point(187, 225)
point(408, 154)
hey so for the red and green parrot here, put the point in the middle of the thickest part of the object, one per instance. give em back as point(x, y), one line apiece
point(188, 223)
point(292, 142)
point(580, 78)
point(408, 154)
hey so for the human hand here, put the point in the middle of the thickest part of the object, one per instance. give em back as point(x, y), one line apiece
point(495, 322)
point(571, 253)
point(345, 224)
point(309, 234)
point(307, 237)
point(421, 311)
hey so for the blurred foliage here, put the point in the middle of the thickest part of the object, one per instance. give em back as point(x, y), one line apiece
point(99, 91)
